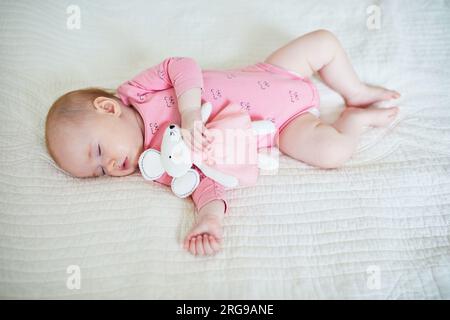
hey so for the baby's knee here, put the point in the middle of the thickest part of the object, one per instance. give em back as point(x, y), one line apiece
point(326, 36)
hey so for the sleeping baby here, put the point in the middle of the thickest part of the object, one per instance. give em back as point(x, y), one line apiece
point(93, 132)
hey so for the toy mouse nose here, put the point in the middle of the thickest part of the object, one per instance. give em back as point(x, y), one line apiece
point(171, 126)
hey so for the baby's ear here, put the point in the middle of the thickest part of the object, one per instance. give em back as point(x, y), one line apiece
point(107, 105)
point(150, 164)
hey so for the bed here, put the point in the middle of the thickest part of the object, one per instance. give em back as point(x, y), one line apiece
point(377, 228)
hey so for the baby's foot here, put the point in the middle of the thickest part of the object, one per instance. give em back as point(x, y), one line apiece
point(205, 236)
point(368, 95)
point(374, 117)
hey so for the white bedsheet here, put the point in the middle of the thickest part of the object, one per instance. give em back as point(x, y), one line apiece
point(376, 228)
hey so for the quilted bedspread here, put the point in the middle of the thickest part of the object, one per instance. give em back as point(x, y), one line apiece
point(377, 228)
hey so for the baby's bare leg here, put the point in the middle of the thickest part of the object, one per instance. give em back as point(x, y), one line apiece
point(310, 140)
point(320, 51)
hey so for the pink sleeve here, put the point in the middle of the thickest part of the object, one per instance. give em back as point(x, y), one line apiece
point(207, 191)
point(180, 73)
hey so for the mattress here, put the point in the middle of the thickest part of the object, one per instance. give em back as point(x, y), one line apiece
point(377, 228)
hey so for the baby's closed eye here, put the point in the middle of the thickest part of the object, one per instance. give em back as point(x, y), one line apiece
point(100, 153)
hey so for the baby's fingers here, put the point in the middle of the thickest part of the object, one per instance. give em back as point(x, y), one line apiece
point(200, 142)
point(205, 133)
point(199, 246)
point(192, 246)
point(208, 250)
point(190, 139)
point(214, 244)
point(208, 135)
point(197, 143)
point(187, 241)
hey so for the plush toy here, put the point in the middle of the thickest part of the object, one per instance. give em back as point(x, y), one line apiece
point(221, 164)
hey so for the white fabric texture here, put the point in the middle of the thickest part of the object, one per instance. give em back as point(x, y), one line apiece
point(377, 228)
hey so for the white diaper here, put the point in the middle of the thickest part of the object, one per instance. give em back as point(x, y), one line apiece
point(315, 111)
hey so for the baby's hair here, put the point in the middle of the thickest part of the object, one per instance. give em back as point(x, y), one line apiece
point(73, 108)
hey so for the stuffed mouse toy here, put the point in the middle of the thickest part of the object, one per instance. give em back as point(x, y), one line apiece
point(221, 165)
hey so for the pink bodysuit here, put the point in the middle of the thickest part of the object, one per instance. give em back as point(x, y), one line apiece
point(266, 91)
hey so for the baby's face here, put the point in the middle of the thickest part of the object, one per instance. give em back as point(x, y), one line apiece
point(110, 144)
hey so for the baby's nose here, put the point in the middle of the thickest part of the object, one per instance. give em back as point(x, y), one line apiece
point(113, 165)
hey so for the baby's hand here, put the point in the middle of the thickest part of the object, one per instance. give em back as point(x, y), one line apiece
point(194, 131)
point(205, 236)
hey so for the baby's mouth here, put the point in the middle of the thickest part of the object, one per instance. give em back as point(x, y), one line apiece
point(125, 164)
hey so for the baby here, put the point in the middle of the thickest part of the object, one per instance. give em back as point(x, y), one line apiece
point(92, 132)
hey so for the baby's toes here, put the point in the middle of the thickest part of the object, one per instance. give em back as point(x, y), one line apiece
point(393, 112)
point(397, 94)
point(391, 94)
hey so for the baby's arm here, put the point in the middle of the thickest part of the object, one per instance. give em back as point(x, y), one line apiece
point(189, 105)
point(185, 76)
point(179, 73)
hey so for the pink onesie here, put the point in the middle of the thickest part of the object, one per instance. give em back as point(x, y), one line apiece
point(266, 91)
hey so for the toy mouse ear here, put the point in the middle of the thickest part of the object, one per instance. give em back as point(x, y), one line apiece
point(150, 164)
point(206, 111)
point(184, 186)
